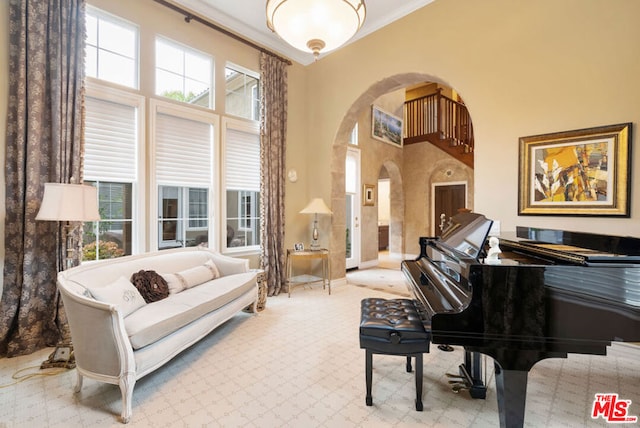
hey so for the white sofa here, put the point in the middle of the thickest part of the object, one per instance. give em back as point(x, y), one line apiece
point(113, 346)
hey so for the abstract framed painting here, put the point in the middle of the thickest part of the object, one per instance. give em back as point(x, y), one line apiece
point(585, 172)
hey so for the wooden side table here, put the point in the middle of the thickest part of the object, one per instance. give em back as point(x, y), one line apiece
point(322, 254)
point(262, 291)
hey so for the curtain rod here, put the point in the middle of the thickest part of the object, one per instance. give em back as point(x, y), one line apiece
point(188, 17)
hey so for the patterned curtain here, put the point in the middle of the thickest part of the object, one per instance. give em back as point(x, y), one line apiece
point(273, 124)
point(44, 143)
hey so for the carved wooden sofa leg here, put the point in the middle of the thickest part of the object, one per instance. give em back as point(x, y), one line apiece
point(127, 382)
point(78, 385)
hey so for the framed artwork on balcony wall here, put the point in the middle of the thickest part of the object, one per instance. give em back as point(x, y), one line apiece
point(584, 172)
point(386, 127)
point(368, 195)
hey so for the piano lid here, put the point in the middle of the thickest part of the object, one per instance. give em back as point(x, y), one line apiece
point(590, 247)
point(467, 233)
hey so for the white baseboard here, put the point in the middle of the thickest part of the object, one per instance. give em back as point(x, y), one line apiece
point(369, 264)
point(339, 281)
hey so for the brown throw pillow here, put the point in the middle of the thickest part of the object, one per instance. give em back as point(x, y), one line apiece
point(151, 285)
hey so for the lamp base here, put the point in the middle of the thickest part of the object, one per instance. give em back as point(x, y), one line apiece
point(61, 357)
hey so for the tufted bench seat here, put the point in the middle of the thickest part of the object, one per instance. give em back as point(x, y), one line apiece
point(393, 327)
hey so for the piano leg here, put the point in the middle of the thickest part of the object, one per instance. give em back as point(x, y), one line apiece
point(511, 391)
point(418, 381)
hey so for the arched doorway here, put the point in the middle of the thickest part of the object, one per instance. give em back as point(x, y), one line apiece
point(391, 171)
point(338, 155)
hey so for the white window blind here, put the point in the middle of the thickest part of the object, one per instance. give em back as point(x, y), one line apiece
point(242, 160)
point(110, 141)
point(183, 151)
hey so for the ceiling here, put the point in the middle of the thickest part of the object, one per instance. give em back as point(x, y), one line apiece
point(247, 18)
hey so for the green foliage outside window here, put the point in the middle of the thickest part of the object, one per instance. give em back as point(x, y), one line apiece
point(179, 96)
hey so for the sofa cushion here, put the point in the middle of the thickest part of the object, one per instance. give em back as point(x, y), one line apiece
point(191, 277)
point(159, 319)
point(120, 293)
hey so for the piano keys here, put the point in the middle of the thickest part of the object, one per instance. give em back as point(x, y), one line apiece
point(550, 293)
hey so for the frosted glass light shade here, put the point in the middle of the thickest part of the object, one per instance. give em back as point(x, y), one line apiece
point(315, 25)
point(69, 202)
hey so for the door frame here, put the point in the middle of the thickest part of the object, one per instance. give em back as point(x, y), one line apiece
point(434, 221)
point(354, 261)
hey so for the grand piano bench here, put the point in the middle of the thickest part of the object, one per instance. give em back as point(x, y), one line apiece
point(393, 327)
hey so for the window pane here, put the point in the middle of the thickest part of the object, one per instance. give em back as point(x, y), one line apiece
point(111, 49)
point(242, 98)
point(182, 74)
point(183, 218)
point(354, 135)
point(169, 57)
point(112, 235)
point(169, 85)
point(116, 38)
point(198, 207)
point(350, 175)
point(91, 61)
point(197, 67)
point(116, 68)
point(194, 89)
point(243, 218)
point(92, 30)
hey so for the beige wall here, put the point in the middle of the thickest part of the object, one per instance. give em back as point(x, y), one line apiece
point(523, 68)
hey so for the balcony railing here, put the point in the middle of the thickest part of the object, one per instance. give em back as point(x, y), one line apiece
point(437, 117)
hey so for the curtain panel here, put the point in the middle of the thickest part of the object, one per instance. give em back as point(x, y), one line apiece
point(44, 143)
point(273, 130)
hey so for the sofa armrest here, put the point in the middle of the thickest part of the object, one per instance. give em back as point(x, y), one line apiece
point(100, 342)
point(229, 265)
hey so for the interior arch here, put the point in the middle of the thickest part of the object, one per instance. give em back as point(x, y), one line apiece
point(338, 155)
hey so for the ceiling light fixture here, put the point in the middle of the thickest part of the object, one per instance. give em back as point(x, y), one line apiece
point(315, 25)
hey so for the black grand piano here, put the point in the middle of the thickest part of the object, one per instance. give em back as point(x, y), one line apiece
point(550, 293)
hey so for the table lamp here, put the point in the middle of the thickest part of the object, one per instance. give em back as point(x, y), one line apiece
point(316, 206)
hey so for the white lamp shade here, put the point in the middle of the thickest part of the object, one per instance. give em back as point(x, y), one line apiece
point(69, 202)
point(299, 22)
point(316, 206)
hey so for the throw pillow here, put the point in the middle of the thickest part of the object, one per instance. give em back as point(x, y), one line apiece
point(189, 278)
point(213, 268)
point(120, 293)
point(151, 285)
point(174, 282)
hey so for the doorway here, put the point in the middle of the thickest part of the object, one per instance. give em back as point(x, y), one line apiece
point(448, 199)
point(352, 208)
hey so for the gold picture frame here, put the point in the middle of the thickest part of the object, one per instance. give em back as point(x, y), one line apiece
point(584, 172)
point(368, 195)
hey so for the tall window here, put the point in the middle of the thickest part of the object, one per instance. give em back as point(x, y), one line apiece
point(184, 175)
point(242, 92)
point(112, 136)
point(112, 48)
point(353, 138)
point(183, 74)
point(242, 181)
